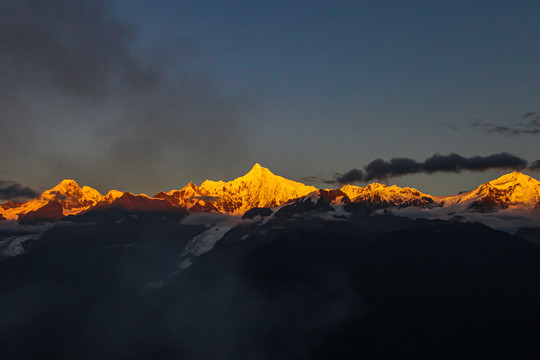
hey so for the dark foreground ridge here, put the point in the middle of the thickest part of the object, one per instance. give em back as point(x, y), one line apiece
point(375, 287)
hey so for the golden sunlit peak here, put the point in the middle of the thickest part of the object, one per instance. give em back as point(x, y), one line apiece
point(64, 187)
point(257, 171)
point(257, 168)
point(67, 183)
point(515, 176)
point(113, 194)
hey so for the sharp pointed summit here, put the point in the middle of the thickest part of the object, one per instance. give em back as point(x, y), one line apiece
point(257, 171)
point(257, 167)
point(260, 188)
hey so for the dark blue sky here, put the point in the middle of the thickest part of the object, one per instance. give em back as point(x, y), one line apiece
point(306, 88)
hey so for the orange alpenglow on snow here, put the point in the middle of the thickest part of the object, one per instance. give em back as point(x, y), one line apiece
point(513, 190)
point(258, 188)
point(395, 195)
point(263, 189)
point(71, 198)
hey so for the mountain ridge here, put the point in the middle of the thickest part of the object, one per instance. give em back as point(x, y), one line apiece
point(260, 188)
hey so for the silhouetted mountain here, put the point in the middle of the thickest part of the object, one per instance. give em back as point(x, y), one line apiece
point(256, 211)
point(138, 204)
point(298, 286)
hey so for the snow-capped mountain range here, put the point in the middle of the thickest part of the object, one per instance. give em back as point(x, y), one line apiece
point(260, 188)
point(262, 255)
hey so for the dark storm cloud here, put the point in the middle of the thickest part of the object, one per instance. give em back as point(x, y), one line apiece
point(380, 169)
point(457, 163)
point(13, 190)
point(531, 127)
point(352, 175)
point(84, 94)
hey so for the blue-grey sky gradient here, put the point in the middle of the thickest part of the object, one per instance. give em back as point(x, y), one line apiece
point(191, 90)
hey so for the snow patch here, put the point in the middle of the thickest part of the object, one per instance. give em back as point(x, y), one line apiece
point(313, 196)
point(185, 264)
point(205, 242)
point(12, 246)
point(202, 243)
point(509, 220)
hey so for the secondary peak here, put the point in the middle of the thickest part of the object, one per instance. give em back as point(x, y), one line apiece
point(513, 177)
point(67, 182)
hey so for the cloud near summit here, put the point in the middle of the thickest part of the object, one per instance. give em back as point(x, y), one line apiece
point(10, 190)
point(380, 169)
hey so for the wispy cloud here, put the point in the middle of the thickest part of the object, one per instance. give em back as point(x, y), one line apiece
point(529, 125)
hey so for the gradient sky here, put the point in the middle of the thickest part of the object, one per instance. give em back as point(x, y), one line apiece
point(144, 96)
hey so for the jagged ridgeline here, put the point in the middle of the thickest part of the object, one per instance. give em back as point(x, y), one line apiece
point(260, 188)
point(262, 267)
